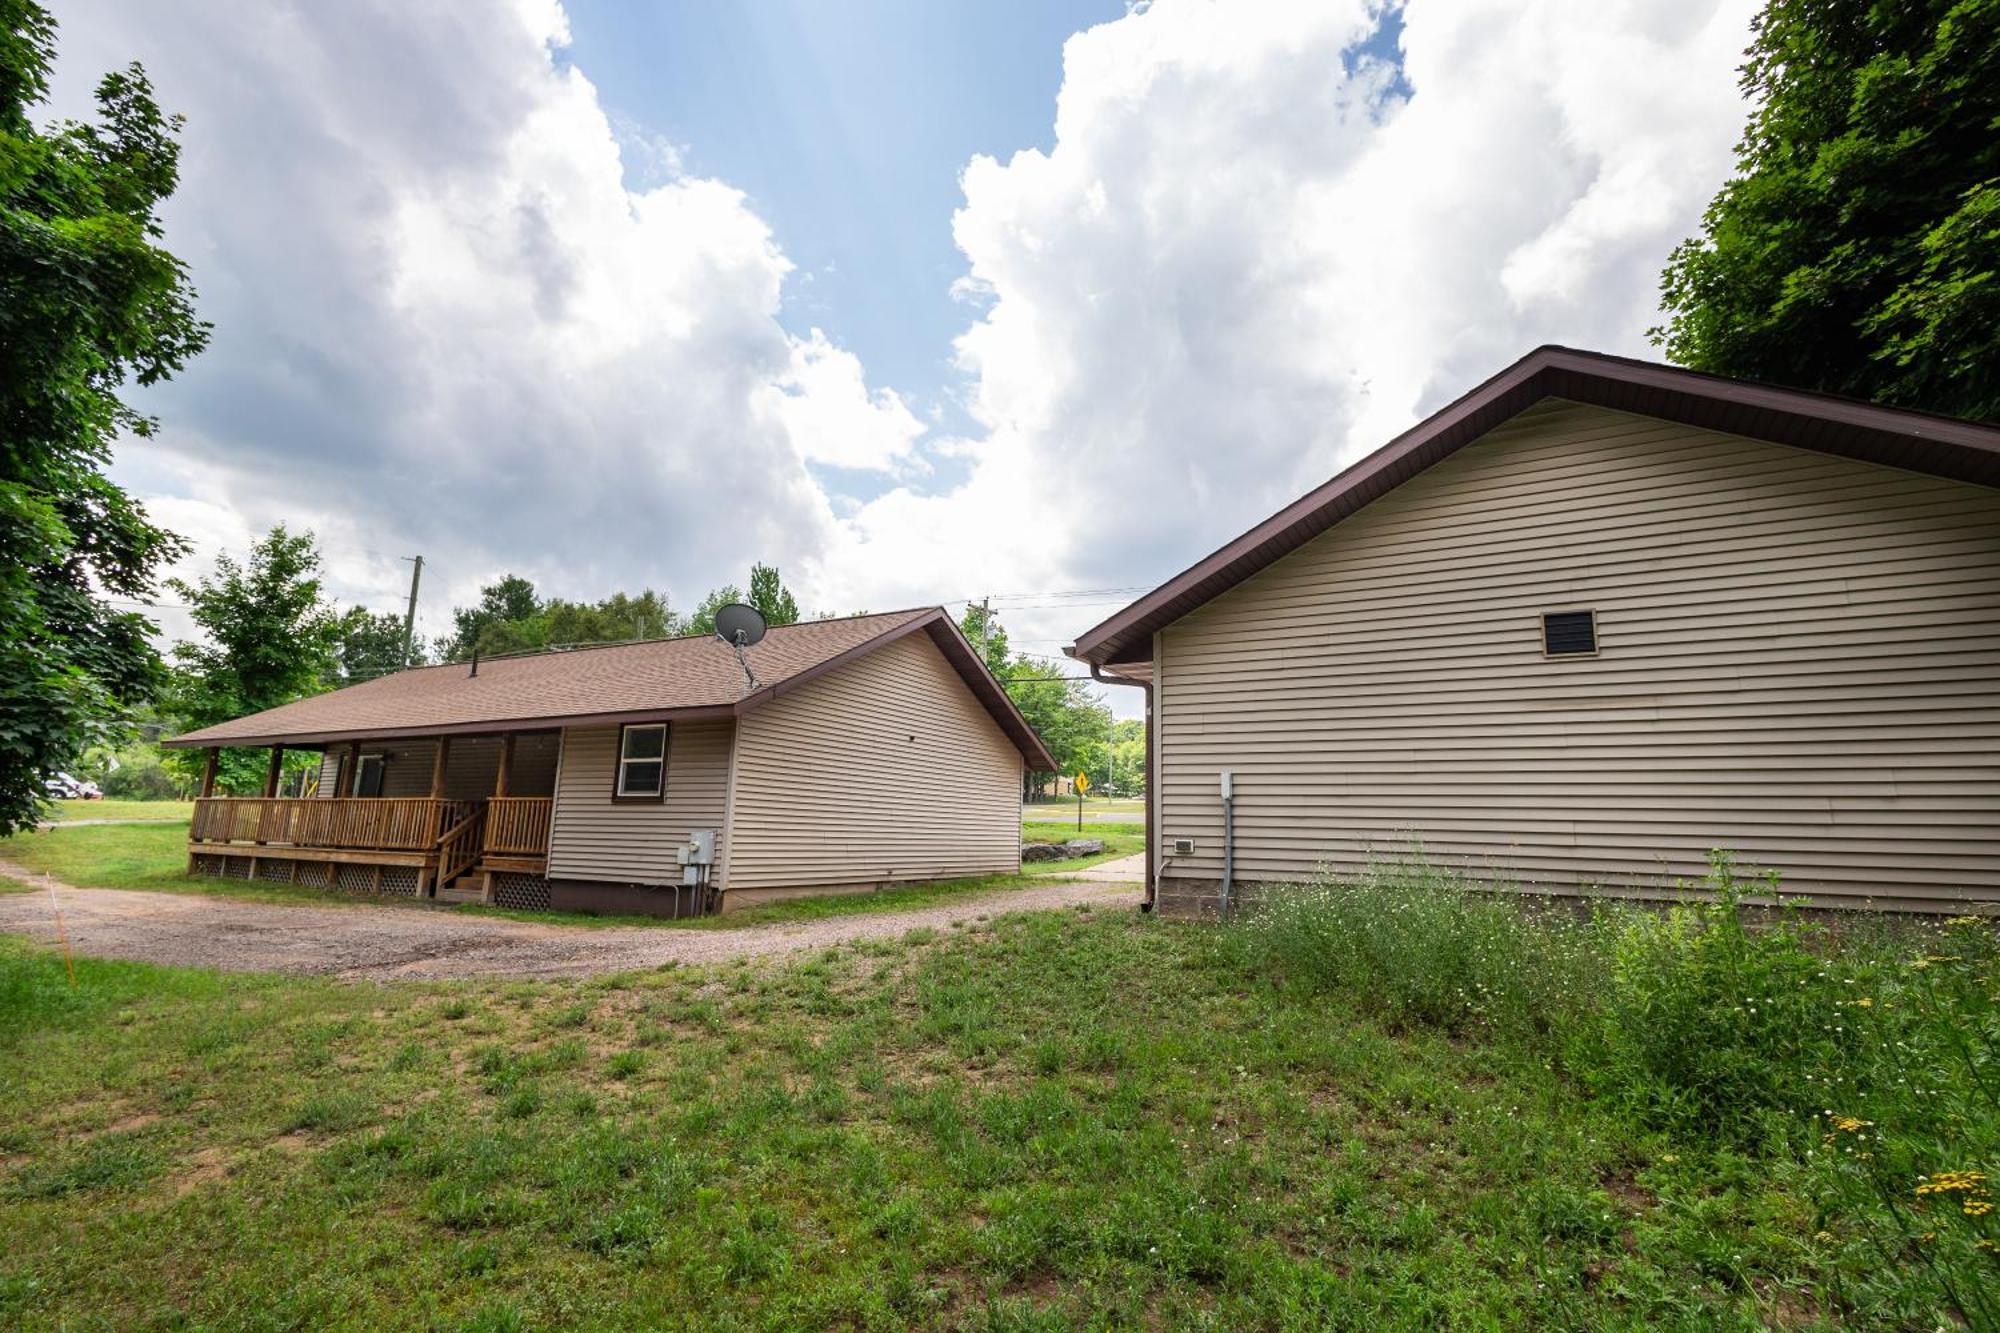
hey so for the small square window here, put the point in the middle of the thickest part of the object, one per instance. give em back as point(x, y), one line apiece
point(1569, 633)
point(642, 761)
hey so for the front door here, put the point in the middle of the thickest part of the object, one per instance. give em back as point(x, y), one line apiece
point(368, 778)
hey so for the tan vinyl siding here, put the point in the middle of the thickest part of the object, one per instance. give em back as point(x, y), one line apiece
point(593, 837)
point(1799, 660)
point(886, 769)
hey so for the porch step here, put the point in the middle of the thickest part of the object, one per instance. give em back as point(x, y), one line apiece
point(461, 892)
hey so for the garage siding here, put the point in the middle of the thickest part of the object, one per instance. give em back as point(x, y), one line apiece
point(1800, 661)
point(592, 837)
point(886, 769)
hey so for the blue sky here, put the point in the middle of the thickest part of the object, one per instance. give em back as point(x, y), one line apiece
point(847, 125)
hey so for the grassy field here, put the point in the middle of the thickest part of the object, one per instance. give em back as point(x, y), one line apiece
point(1061, 1120)
point(1118, 839)
point(59, 811)
point(1056, 810)
point(110, 856)
point(153, 857)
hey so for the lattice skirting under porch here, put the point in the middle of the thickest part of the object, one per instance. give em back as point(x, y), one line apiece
point(520, 891)
point(392, 881)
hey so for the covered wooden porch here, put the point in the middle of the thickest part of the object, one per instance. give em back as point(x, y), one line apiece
point(435, 846)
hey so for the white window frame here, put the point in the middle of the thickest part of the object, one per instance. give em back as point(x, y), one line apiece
point(618, 787)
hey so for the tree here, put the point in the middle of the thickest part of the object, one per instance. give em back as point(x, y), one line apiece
point(371, 645)
point(703, 619)
point(618, 618)
point(1071, 720)
point(88, 301)
point(272, 638)
point(1857, 249)
point(773, 600)
point(511, 603)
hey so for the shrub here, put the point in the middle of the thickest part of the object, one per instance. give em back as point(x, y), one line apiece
point(1709, 1023)
point(140, 776)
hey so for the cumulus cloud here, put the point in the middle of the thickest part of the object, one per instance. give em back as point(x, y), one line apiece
point(1253, 254)
point(460, 309)
point(445, 323)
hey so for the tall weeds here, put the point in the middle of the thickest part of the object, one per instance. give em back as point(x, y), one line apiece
point(1864, 1058)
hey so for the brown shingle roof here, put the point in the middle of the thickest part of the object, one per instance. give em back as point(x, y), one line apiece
point(696, 676)
point(1918, 441)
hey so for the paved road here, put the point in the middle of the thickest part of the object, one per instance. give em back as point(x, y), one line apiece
point(392, 941)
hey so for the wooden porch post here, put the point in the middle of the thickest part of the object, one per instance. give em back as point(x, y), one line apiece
point(350, 772)
point(506, 764)
point(274, 771)
point(439, 758)
point(208, 771)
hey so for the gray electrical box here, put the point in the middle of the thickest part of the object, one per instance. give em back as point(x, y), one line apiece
point(696, 856)
point(698, 850)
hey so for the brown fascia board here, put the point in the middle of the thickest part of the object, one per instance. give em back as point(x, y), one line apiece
point(1916, 441)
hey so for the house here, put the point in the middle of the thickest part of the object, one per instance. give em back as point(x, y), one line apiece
point(1588, 622)
point(835, 756)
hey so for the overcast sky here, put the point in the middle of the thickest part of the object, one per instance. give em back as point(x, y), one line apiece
point(919, 301)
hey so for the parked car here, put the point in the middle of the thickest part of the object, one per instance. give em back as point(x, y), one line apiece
point(63, 787)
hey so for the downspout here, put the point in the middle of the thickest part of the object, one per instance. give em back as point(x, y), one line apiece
point(1152, 828)
point(1228, 841)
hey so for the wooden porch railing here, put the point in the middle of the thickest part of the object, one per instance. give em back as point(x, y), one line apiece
point(356, 823)
point(518, 825)
point(458, 848)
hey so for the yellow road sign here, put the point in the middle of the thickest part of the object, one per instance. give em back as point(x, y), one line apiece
point(1083, 782)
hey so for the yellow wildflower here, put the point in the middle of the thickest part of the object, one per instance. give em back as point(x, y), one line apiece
point(1976, 1207)
point(1954, 1182)
point(1864, 1003)
point(1847, 1124)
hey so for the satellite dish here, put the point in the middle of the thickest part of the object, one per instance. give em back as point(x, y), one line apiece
point(739, 625)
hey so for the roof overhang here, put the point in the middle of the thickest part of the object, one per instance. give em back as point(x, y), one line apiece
point(964, 658)
point(1916, 441)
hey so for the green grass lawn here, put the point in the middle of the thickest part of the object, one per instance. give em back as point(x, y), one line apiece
point(111, 856)
point(59, 811)
point(1091, 806)
point(1118, 839)
point(153, 857)
point(1059, 1120)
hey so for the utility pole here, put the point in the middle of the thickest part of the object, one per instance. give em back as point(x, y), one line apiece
point(410, 616)
point(985, 626)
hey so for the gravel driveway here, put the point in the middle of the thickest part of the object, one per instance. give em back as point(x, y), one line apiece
point(392, 941)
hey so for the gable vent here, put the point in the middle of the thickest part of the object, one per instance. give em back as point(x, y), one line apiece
point(1569, 633)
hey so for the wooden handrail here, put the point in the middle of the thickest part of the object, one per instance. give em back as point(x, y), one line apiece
point(458, 846)
point(345, 823)
point(518, 825)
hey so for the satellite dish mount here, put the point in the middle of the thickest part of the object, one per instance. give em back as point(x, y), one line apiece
point(740, 626)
